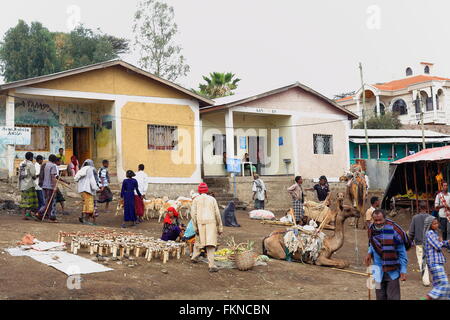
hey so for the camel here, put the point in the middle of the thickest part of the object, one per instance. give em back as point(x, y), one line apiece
point(273, 245)
point(356, 191)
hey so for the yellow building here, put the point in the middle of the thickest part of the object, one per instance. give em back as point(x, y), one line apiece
point(111, 110)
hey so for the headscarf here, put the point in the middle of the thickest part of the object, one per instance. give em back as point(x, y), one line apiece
point(202, 188)
point(426, 227)
point(167, 218)
point(74, 160)
point(90, 163)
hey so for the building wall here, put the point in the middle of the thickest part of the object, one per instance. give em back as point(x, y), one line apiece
point(114, 80)
point(212, 123)
point(136, 117)
point(311, 115)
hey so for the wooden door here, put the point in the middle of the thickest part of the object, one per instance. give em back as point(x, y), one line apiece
point(82, 144)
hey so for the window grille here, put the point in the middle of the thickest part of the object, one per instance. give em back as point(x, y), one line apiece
point(323, 144)
point(162, 137)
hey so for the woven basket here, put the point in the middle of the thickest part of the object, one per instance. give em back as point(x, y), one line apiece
point(245, 260)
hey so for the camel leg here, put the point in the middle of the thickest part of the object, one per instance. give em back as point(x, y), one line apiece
point(335, 263)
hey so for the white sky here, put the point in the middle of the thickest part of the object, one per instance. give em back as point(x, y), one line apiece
point(270, 43)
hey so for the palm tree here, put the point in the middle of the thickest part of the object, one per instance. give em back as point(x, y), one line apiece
point(218, 85)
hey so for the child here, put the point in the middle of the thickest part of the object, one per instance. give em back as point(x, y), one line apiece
point(435, 260)
point(106, 195)
point(171, 230)
point(129, 185)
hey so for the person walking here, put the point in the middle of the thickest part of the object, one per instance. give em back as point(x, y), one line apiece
point(442, 203)
point(49, 177)
point(435, 260)
point(207, 225)
point(39, 192)
point(259, 192)
point(388, 244)
point(105, 195)
point(28, 197)
point(416, 235)
point(129, 186)
point(296, 192)
point(87, 187)
point(142, 180)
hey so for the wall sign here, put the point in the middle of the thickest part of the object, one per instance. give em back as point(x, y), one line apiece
point(16, 135)
point(243, 143)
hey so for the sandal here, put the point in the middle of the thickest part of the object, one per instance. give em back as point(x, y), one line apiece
point(123, 226)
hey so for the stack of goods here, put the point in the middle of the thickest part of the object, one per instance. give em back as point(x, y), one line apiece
point(410, 195)
point(106, 242)
point(308, 240)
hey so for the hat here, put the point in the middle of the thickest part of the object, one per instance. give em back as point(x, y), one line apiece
point(202, 188)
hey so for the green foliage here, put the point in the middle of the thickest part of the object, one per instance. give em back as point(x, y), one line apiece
point(218, 85)
point(154, 30)
point(389, 120)
point(30, 51)
point(27, 51)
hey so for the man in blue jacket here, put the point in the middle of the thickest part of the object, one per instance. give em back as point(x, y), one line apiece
point(388, 244)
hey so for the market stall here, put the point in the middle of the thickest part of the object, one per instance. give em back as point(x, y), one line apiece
point(417, 177)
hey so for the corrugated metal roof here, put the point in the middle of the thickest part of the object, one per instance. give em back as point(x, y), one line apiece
point(399, 140)
point(395, 133)
point(434, 154)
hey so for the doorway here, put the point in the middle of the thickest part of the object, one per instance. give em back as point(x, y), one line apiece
point(82, 144)
point(257, 152)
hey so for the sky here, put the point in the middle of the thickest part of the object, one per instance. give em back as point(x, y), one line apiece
point(273, 43)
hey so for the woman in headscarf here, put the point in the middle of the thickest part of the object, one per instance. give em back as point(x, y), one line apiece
point(435, 259)
point(171, 230)
point(129, 185)
point(73, 166)
point(87, 187)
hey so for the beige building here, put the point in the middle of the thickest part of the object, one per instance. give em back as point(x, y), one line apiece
point(292, 130)
point(420, 89)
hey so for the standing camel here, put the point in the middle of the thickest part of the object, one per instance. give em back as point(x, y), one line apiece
point(356, 192)
point(274, 247)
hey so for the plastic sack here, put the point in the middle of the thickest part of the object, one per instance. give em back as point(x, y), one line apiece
point(261, 215)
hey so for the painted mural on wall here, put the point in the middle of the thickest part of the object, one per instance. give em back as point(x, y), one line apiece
point(103, 131)
point(34, 112)
point(75, 115)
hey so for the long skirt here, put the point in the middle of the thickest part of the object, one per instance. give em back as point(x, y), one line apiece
point(105, 196)
point(129, 209)
point(441, 287)
point(50, 202)
point(88, 203)
point(139, 206)
point(297, 205)
point(29, 199)
point(170, 232)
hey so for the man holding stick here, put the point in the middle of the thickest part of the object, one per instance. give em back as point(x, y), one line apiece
point(49, 186)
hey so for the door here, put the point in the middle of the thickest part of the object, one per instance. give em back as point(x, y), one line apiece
point(82, 144)
point(257, 152)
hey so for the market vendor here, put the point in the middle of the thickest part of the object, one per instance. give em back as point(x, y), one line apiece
point(171, 229)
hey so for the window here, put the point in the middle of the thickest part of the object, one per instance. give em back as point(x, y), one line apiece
point(374, 151)
point(219, 144)
point(426, 70)
point(409, 72)
point(417, 105)
point(323, 144)
point(162, 137)
point(429, 105)
point(382, 109)
point(40, 139)
point(356, 152)
point(400, 107)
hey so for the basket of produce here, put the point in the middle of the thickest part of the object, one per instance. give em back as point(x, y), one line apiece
point(243, 255)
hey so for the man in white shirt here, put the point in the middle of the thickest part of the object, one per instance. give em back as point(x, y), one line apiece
point(142, 180)
point(442, 203)
point(39, 192)
point(259, 192)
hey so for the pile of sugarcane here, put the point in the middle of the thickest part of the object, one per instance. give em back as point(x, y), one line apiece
point(120, 244)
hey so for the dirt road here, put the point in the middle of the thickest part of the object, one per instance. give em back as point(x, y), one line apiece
point(24, 278)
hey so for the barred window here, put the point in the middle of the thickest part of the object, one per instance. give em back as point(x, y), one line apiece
point(323, 144)
point(162, 137)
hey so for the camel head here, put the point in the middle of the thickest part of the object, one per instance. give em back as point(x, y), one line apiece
point(346, 211)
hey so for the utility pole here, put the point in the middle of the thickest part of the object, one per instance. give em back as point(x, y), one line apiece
point(364, 110)
point(419, 98)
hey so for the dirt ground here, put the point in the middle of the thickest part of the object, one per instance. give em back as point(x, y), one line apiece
point(24, 278)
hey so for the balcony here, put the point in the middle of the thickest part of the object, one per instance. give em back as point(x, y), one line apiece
point(429, 117)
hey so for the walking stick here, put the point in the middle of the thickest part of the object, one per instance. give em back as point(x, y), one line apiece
point(51, 198)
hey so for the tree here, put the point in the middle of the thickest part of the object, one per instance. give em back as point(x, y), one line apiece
point(218, 85)
point(27, 51)
point(30, 51)
point(389, 120)
point(83, 46)
point(154, 30)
